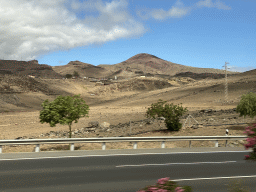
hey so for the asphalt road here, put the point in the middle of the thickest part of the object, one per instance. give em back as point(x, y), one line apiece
point(111, 171)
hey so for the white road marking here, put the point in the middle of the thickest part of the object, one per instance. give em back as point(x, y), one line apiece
point(175, 164)
point(73, 156)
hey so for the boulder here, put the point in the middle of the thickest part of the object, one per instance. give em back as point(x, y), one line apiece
point(196, 126)
point(207, 111)
point(93, 124)
point(149, 121)
point(104, 125)
point(161, 118)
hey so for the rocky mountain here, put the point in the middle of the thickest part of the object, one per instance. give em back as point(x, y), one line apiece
point(25, 68)
point(140, 64)
point(84, 69)
point(18, 91)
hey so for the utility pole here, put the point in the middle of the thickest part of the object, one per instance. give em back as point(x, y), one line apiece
point(226, 82)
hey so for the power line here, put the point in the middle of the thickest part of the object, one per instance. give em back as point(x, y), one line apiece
point(226, 82)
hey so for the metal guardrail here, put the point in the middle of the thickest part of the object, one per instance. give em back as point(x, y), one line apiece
point(103, 140)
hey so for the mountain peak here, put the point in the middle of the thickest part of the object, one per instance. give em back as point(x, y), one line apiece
point(144, 56)
point(76, 61)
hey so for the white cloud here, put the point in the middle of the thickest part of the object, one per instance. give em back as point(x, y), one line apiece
point(208, 3)
point(176, 11)
point(220, 5)
point(179, 10)
point(205, 3)
point(29, 29)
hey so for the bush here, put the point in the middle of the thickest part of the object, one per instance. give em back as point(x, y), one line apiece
point(170, 112)
point(68, 76)
point(166, 185)
point(76, 74)
point(247, 105)
point(251, 132)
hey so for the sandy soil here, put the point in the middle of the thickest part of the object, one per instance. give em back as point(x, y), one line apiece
point(124, 106)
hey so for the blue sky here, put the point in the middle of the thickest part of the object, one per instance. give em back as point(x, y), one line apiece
point(197, 33)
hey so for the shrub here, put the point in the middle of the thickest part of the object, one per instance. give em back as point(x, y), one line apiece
point(251, 132)
point(170, 112)
point(68, 76)
point(247, 105)
point(76, 74)
point(165, 185)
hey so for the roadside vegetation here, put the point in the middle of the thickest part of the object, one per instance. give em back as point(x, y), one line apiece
point(63, 110)
point(170, 112)
point(247, 106)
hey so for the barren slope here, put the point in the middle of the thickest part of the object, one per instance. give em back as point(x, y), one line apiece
point(122, 106)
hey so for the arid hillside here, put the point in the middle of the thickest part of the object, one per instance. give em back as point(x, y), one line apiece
point(123, 104)
point(20, 92)
point(26, 93)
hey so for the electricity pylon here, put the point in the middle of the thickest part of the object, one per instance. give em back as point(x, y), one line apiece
point(226, 82)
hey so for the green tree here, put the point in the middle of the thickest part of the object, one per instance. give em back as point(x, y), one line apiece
point(68, 76)
point(170, 112)
point(63, 110)
point(76, 74)
point(247, 105)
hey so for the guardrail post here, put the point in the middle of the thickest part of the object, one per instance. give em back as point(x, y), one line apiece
point(216, 143)
point(103, 146)
point(37, 143)
point(135, 145)
point(72, 147)
point(37, 148)
point(163, 145)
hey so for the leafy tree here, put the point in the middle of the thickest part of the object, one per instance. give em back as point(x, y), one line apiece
point(76, 74)
point(63, 110)
point(247, 105)
point(170, 112)
point(68, 76)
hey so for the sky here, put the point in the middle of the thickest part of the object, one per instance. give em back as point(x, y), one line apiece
point(197, 33)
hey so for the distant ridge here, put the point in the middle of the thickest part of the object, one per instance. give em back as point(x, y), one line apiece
point(25, 68)
point(139, 64)
point(145, 63)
